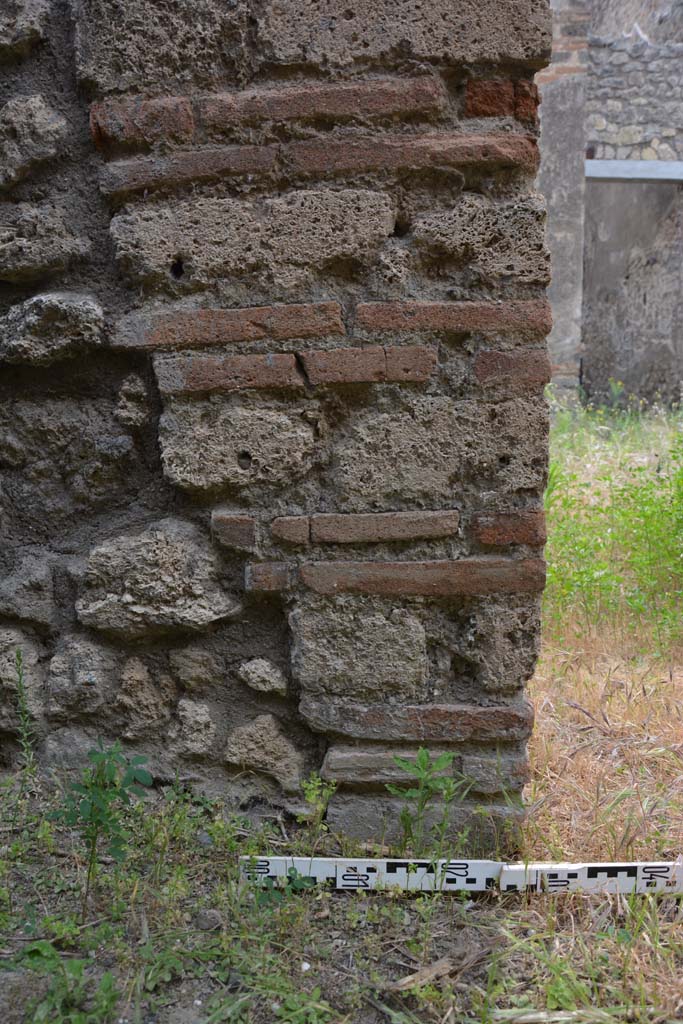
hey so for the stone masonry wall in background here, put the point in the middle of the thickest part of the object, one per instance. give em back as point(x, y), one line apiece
point(272, 330)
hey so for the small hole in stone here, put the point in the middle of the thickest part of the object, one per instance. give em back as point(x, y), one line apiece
point(177, 268)
point(401, 227)
point(504, 460)
point(244, 460)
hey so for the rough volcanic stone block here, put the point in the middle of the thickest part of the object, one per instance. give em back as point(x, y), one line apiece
point(151, 43)
point(260, 674)
point(142, 585)
point(30, 133)
point(427, 447)
point(22, 27)
point(283, 237)
point(221, 445)
point(357, 648)
point(495, 239)
point(264, 746)
point(50, 326)
point(81, 677)
point(35, 242)
point(486, 826)
point(342, 31)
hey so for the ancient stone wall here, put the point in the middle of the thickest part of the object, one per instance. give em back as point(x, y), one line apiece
point(634, 101)
point(274, 440)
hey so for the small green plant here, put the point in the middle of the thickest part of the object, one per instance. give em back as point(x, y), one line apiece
point(431, 784)
point(71, 998)
point(26, 732)
point(317, 794)
point(94, 806)
point(270, 893)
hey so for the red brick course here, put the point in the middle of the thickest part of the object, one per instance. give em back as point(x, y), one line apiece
point(528, 319)
point(521, 370)
point(124, 177)
point(139, 122)
point(434, 723)
point(320, 157)
point(465, 577)
point(468, 576)
point(182, 374)
point(382, 526)
point(268, 577)
point(144, 122)
point(498, 529)
point(233, 530)
point(203, 328)
point(498, 97)
point(292, 529)
point(373, 364)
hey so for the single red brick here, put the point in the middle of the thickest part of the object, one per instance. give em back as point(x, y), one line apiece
point(139, 122)
point(186, 374)
point(521, 370)
point(410, 363)
point(489, 97)
point(528, 319)
point(319, 157)
point(202, 328)
point(497, 529)
point(345, 365)
point(368, 527)
point(268, 577)
point(125, 177)
point(233, 530)
point(466, 576)
point(527, 100)
point(433, 723)
point(291, 529)
point(375, 97)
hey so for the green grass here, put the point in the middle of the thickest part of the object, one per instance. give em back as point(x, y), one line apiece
point(615, 523)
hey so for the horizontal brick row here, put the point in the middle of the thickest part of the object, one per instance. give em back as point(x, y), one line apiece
point(141, 122)
point(498, 529)
point(528, 320)
point(486, 772)
point(185, 374)
point(321, 157)
point(372, 527)
point(499, 97)
point(463, 577)
point(433, 723)
point(205, 328)
point(526, 369)
point(492, 529)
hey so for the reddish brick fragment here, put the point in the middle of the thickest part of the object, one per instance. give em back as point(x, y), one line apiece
point(345, 365)
point(498, 529)
point(521, 370)
point(268, 577)
point(527, 100)
point(375, 97)
point(319, 157)
point(142, 122)
point(382, 526)
point(424, 723)
point(489, 97)
point(528, 319)
point(207, 327)
point(467, 576)
point(410, 363)
point(183, 374)
point(125, 177)
point(291, 529)
point(233, 530)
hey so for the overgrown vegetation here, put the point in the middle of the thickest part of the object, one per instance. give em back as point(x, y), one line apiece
point(171, 937)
